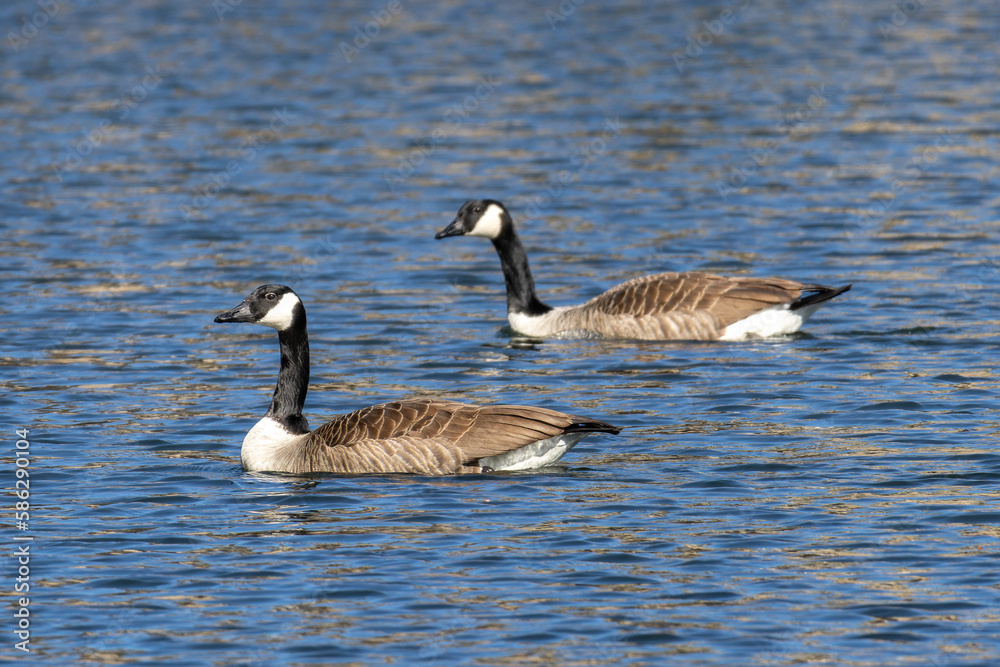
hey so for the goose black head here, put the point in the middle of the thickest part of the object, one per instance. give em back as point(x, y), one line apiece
point(275, 306)
point(480, 217)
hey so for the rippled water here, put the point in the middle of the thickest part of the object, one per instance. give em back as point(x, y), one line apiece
point(827, 498)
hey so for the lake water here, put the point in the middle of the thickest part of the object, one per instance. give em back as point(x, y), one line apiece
point(826, 498)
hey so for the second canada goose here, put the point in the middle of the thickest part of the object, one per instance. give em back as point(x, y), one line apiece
point(429, 437)
point(664, 306)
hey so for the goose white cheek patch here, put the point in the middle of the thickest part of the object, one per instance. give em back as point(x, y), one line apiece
point(488, 224)
point(280, 316)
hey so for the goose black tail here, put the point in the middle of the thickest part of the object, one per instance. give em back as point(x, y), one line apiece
point(819, 294)
point(592, 426)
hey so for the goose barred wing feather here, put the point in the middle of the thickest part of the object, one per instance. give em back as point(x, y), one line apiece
point(731, 299)
point(502, 428)
point(676, 306)
point(389, 420)
point(433, 437)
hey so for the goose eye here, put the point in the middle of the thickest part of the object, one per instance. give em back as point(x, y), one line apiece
point(270, 296)
point(478, 209)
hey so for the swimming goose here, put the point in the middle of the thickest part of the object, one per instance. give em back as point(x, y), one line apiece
point(664, 306)
point(429, 437)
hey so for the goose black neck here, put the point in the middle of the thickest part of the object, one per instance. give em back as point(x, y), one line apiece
point(521, 297)
point(293, 377)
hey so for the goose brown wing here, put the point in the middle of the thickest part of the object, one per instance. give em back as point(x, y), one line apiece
point(421, 419)
point(728, 299)
point(501, 428)
point(444, 432)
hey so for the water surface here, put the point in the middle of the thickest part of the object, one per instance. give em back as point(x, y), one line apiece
point(825, 498)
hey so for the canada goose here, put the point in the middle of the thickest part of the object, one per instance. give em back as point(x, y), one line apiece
point(664, 306)
point(427, 437)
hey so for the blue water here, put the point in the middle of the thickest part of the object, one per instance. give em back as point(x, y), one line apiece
point(826, 498)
